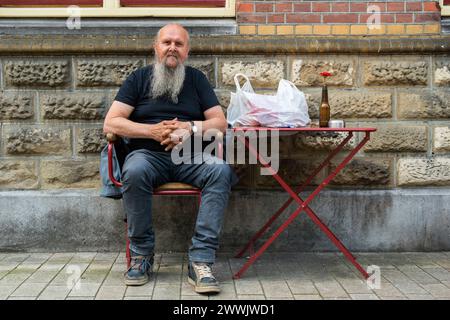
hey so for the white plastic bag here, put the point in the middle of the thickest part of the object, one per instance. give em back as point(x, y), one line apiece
point(288, 108)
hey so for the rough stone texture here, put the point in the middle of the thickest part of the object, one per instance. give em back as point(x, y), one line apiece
point(16, 106)
point(205, 65)
point(395, 73)
point(322, 141)
point(105, 72)
point(307, 72)
point(37, 73)
point(294, 172)
point(90, 140)
point(70, 174)
point(424, 104)
point(265, 73)
point(441, 139)
point(442, 71)
point(224, 98)
point(359, 105)
point(245, 174)
point(82, 106)
point(365, 172)
point(18, 174)
point(31, 140)
point(397, 139)
point(424, 172)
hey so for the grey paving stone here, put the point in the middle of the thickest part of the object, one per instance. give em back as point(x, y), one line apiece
point(54, 293)
point(167, 291)
point(439, 273)
point(14, 277)
point(5, 291)
point(137, 298)
point(140, 291)
point(307, 297)
point(248, 287)
point(111, 293)
point(60, 257)
point(354, 286)
point(114, 278)
point(251, 297)
point(302, 287)
point(15, 257)
point(51, 266)
point(84, 289)
point(8, 265)
point(437, 290)
point(227, 292)
point(276, 289)
point(419, 297)
point(42, 276)
point(28, 289)
point(409, 287)
point(28, 267)
point(79, 298)
point(363, 296)
point(196, 297)
point(328, 289)
point(106, 256)
point(394, 298)
point(387, 289)
point(21, 298)
point(169, 274)
point(82, 257)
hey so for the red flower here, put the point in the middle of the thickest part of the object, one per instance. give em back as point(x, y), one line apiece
point(325, 74)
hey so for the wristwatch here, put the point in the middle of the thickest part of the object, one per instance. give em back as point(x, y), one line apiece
point(193, 127)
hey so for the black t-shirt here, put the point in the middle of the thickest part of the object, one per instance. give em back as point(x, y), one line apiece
point(195, 97)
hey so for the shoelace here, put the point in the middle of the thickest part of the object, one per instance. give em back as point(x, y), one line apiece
point(143, 264)
point(204, 271)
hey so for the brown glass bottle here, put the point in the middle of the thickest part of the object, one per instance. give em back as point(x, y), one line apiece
point(324, 109)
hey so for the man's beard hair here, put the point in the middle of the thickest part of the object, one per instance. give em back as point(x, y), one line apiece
point(167, 82)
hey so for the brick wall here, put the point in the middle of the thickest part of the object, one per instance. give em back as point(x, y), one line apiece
point(284, 17)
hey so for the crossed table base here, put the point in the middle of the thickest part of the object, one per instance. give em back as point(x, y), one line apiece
point(303, 205)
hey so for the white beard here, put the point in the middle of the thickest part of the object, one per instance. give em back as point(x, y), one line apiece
point(166, 81)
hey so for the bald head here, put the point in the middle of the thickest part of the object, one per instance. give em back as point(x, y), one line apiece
point(172, 45)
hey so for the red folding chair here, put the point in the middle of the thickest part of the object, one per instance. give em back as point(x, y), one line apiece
point(171, 188)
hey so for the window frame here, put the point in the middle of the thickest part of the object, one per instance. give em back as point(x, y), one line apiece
point(112, 9)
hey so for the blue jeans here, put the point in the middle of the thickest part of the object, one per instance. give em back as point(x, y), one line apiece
point(145, 170)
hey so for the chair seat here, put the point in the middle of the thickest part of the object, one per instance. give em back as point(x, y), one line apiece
point(175, 186)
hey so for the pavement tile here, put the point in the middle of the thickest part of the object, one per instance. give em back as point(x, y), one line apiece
point(167, 291)
point(84, 289)
point(408, 275)
point(137, 298)
point(439, 273)
point(28, 289)
point(227, 292)
point(251, 297)
point(419, 297)
point(364, 296)
point(5, 291)
point(302, 287)
point(409, 287)
point(54, 293)
point(330, 289)
point(307, 297)
point(248, 286)
point(111, 293)
point(437, 290)
point(140, 291)
point(276, 289)
point(21, 298)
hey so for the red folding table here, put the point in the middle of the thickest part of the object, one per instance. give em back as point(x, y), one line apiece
point(294, 195)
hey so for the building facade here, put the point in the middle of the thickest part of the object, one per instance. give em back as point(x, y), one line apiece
point(61, 66)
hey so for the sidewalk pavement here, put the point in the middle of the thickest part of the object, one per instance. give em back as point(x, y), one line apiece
point(275, 276)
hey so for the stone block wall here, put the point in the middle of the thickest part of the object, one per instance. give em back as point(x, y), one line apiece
point(52, 108)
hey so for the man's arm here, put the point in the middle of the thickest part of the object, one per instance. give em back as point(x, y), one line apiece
point(116, 121)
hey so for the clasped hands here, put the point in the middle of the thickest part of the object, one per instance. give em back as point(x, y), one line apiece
point(171, 133)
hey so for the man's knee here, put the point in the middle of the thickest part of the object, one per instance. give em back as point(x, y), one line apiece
point(221, 172)
point(138, 174)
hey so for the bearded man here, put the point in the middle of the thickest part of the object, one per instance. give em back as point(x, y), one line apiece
point(155, 107)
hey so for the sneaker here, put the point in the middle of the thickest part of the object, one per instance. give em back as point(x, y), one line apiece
point(201, 277)
point(140, 270)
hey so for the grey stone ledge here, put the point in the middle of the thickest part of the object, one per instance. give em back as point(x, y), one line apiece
point(132, 43)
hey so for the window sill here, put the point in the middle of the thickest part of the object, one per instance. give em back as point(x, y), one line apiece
point(110, 26)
